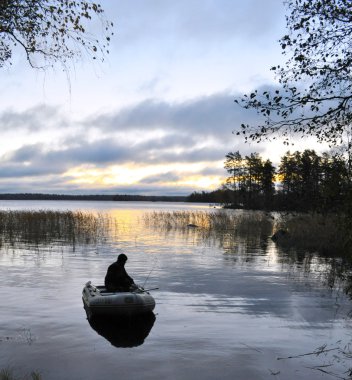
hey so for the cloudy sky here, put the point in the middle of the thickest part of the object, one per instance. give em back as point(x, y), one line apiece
point(157, 116)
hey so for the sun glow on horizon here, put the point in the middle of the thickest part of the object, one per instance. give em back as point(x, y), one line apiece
point(173, 175)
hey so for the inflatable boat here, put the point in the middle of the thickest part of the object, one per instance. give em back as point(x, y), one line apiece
point(98, 301)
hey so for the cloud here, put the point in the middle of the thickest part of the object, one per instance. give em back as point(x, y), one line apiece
point(184, 123)
point(187, 56)
point(56, 185)
point(161, 178)
point(197, 133)
point(19, 171)
point(35, 160)
point(25, 153)
point(32, 119)
point(150, 132)
point(216, 115)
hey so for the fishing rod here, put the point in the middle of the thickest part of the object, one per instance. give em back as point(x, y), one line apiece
point(156, 259)
point(147, 290)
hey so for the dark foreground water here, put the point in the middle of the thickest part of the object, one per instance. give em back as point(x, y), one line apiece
point(227, 308)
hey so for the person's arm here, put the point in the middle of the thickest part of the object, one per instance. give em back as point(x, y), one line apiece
point(128, 279)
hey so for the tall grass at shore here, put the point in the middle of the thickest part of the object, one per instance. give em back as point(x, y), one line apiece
point(218, 221)
point(7, 374)
point(324, 234)
point(318, 233)
point(47, 226)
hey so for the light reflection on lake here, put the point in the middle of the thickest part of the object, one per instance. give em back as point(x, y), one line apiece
point(228, 306)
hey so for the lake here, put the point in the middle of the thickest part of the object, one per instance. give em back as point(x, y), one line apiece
point(228, 306)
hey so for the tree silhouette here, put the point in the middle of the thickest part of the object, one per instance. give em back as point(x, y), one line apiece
point(235, 166)
point(250, 179)
point(51, 32)
point(316, 95)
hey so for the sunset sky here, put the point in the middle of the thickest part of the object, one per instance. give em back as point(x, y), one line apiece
point(156, 118)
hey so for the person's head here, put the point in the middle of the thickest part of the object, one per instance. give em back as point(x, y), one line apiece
point(122, 258)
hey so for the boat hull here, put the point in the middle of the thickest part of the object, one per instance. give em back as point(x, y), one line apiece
point(97, 301)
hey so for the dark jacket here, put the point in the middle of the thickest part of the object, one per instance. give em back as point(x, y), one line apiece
point(117, 279)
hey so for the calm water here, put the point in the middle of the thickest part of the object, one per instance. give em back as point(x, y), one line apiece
point(228, 307)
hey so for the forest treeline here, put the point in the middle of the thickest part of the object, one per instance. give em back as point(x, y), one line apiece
point(303, 181)
point(56, 197)
point(92, 197)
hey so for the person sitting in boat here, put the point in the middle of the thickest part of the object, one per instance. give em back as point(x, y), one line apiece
point(117, 279)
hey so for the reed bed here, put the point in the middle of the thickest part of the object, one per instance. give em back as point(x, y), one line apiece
point(325, 234)
point(7, 374)
point(47, 226)
point(218, 221)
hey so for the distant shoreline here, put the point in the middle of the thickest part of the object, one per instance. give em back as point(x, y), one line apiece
point(96, 197)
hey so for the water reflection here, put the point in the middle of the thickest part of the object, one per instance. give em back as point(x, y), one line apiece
point(123, 331)
point(244, 238)
point(230, 303)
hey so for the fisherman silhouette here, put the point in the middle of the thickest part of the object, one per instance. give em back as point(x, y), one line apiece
point(117, 279)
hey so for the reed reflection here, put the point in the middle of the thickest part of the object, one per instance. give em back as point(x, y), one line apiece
point(245, 238)
point(226, 229)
